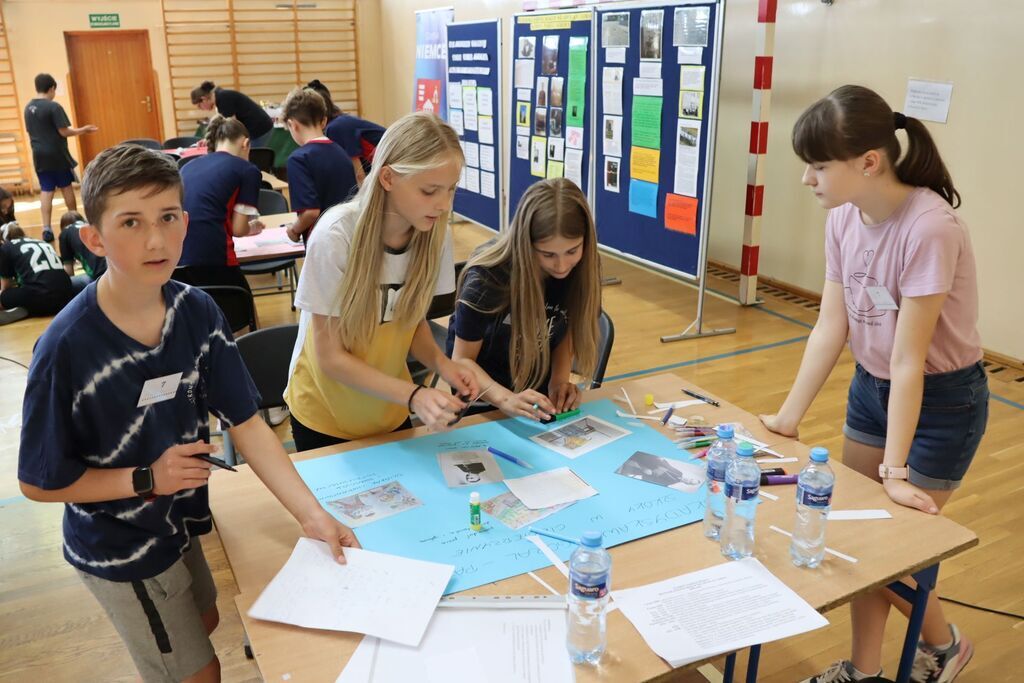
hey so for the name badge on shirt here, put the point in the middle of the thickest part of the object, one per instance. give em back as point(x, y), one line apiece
point(159, 389)
point(882, 299)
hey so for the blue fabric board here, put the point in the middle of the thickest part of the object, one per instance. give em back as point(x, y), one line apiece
point(519, 177)
point(625, 509)
point(474, 205)
point(621, 223)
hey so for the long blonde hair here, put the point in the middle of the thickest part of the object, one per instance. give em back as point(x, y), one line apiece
point(415, 143)
point(547, 208)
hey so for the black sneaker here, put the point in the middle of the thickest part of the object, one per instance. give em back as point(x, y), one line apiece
point(931, 666)
point(10, 315)
point(47, 235)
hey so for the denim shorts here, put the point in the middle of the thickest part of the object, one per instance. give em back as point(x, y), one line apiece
point(954, 412)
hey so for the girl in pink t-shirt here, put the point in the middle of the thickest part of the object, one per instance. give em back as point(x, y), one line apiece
point(900, 285)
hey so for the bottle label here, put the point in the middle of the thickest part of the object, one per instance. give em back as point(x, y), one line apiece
point(811, 499)
point(740, 492)
point(588, 591)
point(716, 471)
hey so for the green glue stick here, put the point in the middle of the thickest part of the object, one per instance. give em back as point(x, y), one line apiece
point(474, 511)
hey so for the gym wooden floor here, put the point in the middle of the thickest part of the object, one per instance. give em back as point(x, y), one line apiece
point(51, 629)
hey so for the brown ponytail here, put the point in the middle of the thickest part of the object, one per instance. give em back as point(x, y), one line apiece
point(222, 129)
point(853, 120)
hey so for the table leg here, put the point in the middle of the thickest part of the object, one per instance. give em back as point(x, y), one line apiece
point(918, 598)
point(752, 660)
point(730, 666)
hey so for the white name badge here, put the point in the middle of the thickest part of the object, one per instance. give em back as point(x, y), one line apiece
point(159, 389)
point(882, 299)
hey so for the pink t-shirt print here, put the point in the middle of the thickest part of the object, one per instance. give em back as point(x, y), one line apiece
point(922, 249)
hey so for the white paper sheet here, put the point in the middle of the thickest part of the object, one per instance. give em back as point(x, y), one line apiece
point(650, 69)
point(485, 101)
point(651, 87)
point(472, 151)
point(522, 147)
point(615, 55)
point(928, 100)
point(715, 610)
point(486, 132)
point(455, 120)
point(677, 404)
point(851, 515)
point(455, 95)
point(574, 166)
point(473, 180)
point(687, 157)
point(524, 73)
point(611, 87)
point(469, 106)
point(486, 157)
point(487, 184)
point(690, 55)
point(470, 646)
point(553, 487)
point(381, 595)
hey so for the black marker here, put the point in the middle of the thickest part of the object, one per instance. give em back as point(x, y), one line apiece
point(215, 461)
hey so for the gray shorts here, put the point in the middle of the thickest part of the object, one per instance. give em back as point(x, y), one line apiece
point(159, 619)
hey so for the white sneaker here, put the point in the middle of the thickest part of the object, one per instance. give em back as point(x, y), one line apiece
point(278, 415)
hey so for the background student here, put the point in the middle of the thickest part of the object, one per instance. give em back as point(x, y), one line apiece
point(222, 190)
point(228, 103)
point(373, 266)
point(121, 454)
point(358, 137)
point(6, 207)
point(319, 172)
point(48, 129)
point(72, 249)
point(900, 283)
point(32, 280)
point(522, 346)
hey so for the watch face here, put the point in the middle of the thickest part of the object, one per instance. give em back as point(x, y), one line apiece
point(142, 480)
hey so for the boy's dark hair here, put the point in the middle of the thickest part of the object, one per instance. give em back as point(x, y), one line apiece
point(304, 105)
point(70, 218)
point(204, 89)
point(122, 168)
point(220, 129)
point(44, 82)
point(853, 120)
point(333, 110)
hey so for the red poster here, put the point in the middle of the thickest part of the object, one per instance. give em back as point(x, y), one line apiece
point(681, 213)
point(428, 95)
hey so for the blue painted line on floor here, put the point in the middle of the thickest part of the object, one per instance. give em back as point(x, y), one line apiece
point(12, 500)
point(1014, 404)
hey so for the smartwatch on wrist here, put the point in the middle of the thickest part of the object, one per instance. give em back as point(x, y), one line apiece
point(142, 482)
point(886, 472)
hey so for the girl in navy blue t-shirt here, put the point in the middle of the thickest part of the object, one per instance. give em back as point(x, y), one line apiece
point(221, 193)
point(358, 137)
point(319, 172)
point(523, 347)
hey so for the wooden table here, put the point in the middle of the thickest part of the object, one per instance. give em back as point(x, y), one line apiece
point(258, 537)
point(271, 244)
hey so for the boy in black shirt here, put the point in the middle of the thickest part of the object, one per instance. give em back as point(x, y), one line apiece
point(33, 282)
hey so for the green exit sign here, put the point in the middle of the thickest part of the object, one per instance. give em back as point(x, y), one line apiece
point(111, 20)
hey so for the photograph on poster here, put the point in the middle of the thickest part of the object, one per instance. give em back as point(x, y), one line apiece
point(615, 29)
point(611, 174)
point(556, 123)
point(690, 26)
point(538, 158)
point(540, 121)
point(612, 142)
point(690, 104)
point(522, 147)
point(542, 91)
point(527, 47)
point(549, 55)
point(650, 34)
point(556, 149)
point(557, 89)
point(523, 114)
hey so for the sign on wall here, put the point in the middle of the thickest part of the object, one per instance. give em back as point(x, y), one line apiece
point(108, 20)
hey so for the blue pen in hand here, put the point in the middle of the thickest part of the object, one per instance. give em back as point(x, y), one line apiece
point(511, 458)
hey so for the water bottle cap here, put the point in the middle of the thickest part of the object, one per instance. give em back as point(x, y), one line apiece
point(745, 449)
point(592, 539)
point(819, 454)
point(725, 431)
point(474, 497)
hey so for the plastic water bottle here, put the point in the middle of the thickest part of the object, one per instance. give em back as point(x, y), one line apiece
point(720, 454)
point(813, 501)
point(590, 575)
point(742, 483)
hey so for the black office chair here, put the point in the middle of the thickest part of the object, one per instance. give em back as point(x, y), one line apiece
point(263, 157)
point(237, 304)
point(185, 141)
point(148, 143)
point(267, 355)
point(184, 160)
point(605, 341)
point(271, 202)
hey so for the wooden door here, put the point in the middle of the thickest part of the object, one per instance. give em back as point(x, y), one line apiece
point(112, 86)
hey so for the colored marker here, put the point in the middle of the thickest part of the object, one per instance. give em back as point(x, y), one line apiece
point(474, 511)
point(567, 414)
point(511, 458)
point(534, 530)
point(709, 401)
point(668, 415)
point(772, 479)
point(217, 462)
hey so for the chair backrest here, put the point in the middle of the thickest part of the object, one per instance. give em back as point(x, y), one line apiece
point(263, 157)
point(185, 141)
point(237, 304)
point(184, 160)
point(148, 143)
point(267, 354)
point(271, 202)
point(443, 305)
point(605, 341)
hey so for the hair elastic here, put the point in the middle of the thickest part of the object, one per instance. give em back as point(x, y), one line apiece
point(899, 120)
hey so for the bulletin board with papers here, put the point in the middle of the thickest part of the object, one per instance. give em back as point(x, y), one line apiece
point(474, 106)
point(551, 115)
point(658, 69)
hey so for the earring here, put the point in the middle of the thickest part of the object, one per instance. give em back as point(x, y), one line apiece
point(866, 174)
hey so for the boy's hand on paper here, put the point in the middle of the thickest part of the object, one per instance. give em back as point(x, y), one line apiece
point(292, 235)
point(323, 527)
point(459, 377)
point(908, 495)
point(776, 424)
point(565, 396)
point(255, 227)
point(176, 470)
point(522, 405)
point(436, 408)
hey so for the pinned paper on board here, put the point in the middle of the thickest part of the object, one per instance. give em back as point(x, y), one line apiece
point(643, 198)
point(615, 29)
point(646, 122)
point(691, 104)
point(687, 157)
point(643, 164)
point(681, 213)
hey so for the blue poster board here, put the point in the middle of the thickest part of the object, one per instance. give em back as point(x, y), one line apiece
point(658, 65)
point(550, 110)
point(474, 108)
point(428, 87)
point(437, 529)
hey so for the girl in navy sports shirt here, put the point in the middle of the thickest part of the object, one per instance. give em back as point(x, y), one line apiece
point(358, 137)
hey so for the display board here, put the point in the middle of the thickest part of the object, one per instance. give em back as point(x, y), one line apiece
point(550, 110)
point(658, 66)
point(428, 88)
point(474, 111)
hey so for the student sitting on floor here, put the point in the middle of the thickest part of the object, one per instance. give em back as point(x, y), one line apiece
point(528, 304)
point(358, 137)
point(117, 410)
point(319, 172)
point(372, 267)
point(6, 207)
point(32, 281)
point(901, 286)
point(222, 189)
point(72, 249)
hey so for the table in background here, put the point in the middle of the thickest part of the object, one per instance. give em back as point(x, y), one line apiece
point(271, 244)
